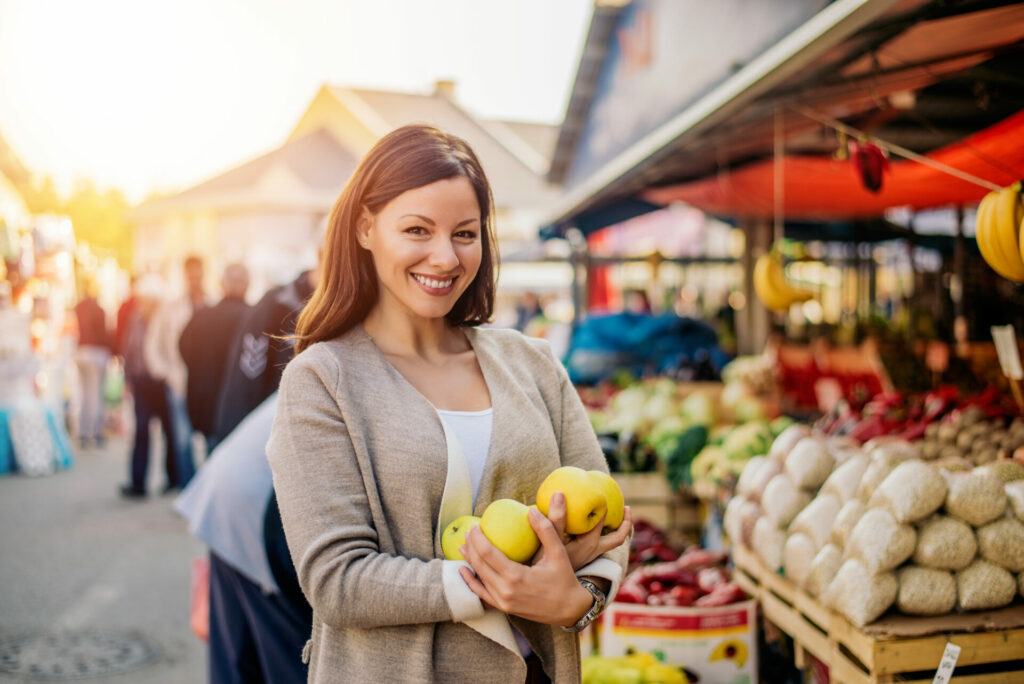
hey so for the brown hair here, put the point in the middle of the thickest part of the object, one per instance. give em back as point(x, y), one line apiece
point(407, 158)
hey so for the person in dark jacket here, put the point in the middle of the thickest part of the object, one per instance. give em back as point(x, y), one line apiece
point(91, 357)
point(205, 346)
point(259, 352)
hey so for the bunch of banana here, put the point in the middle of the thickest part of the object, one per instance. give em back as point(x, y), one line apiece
point(999, 232)
point(771, 285)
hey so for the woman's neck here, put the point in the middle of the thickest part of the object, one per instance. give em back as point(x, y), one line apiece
point(397, 333)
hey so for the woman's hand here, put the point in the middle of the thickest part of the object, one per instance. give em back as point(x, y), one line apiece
point(546, 592)
point(585, 548)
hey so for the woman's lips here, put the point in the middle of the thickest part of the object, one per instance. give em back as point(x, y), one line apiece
point(427, 284)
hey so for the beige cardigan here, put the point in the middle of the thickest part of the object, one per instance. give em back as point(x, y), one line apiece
point(360, 465)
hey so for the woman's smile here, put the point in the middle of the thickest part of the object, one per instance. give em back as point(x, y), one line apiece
point(435, 286)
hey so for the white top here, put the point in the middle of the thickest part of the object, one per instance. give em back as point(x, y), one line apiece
point(473, 430)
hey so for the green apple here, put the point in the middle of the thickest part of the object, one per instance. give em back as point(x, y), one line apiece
point(454, 536)
point(585, 501)
point(613, 497)
point(506, 524)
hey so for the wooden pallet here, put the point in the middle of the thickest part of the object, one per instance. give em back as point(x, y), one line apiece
point(855, 656)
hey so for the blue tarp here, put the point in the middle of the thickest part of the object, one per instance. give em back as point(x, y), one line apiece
point(641, 344)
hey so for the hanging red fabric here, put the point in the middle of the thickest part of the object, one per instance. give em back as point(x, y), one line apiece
point(825, 188)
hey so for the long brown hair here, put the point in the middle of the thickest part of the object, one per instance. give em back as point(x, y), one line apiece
point(407, 158)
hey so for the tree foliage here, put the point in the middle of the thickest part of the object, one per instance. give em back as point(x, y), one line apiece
point(100, 218)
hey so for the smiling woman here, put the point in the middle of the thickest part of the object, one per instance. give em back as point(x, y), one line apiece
point(400, 416)
point(410, 168)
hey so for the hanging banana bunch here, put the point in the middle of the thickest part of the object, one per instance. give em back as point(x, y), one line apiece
point(999, 232)
point(771, 285)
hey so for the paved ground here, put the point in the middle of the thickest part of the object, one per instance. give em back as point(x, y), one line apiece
point(75, 558)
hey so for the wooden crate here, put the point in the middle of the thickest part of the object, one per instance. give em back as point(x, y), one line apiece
point(648, 495)
point(858, 657)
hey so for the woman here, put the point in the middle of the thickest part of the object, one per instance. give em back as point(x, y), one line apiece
point(399, 415)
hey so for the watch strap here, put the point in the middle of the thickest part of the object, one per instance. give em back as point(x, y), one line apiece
point(595, 609)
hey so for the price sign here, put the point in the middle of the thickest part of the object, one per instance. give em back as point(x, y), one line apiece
point(1009, 354)
point(946, 665)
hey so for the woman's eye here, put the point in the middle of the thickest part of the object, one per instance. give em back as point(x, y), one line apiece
point(416, 230)
point(466, 235)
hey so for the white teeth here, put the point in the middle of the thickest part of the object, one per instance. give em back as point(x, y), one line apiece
point(436, 284)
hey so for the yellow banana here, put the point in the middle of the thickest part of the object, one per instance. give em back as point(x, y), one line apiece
point(778, 276)
point(1021, 236)
point(985, 236)
point(765, 285)
point(1006, 229)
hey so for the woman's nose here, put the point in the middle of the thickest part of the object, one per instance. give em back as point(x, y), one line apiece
point(443, 255)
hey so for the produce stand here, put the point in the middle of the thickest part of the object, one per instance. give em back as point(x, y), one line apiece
point(896, 648)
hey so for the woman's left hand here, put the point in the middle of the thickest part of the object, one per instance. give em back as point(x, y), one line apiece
point(546, 592)
point(585, 548)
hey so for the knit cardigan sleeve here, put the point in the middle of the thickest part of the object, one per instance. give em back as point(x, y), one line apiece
point(327, 514)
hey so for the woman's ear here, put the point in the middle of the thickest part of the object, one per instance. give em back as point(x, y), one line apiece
point(363, 227)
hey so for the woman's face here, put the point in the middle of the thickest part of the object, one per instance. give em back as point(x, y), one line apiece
point(427, 246)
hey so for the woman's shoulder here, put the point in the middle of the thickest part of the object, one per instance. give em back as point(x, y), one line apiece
point(330, 355)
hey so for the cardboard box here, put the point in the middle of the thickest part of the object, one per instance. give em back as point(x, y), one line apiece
point(718, 644)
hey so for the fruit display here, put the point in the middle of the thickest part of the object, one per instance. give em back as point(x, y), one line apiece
point(757, 371)
point(998, 232)
point(914, 417)
point(636, 668)
point(715, 469)
point(661, 424)
point(771, 285)
point(590, 497)
point(866, 527)
point(698, 578)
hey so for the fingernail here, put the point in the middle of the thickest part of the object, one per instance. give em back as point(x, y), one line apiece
point(462, 550)
point(534, 514)
point(561, 496)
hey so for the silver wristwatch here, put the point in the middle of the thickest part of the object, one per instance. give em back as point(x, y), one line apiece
point(599, 601)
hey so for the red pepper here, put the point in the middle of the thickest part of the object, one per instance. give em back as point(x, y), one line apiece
point(684, 595)
point(723, 594)
point(695, 558)
point(631, 594)
point(914, 431)
point(659, 552)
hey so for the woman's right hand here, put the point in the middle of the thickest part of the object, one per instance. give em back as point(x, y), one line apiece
point(585, 548)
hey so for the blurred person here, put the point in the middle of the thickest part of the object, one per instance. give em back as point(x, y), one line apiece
point(260, 351)
point(527, 309)
point(163, 359)
point(149, 393)
point(91, 357)
point(259, 618)
point(399, 414)
point(124, 315)
point(637, 302)
point(205, 345)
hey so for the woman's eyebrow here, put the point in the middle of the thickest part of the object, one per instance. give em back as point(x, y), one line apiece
point(431, 221)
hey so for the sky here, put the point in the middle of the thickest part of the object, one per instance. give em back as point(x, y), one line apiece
point(150, 95)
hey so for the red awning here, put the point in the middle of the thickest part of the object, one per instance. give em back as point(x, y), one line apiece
point(824, 188)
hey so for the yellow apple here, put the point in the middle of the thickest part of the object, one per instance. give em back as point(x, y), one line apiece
point(584, 500)
point(506, 524)
point(454, 536)
point(612, 495)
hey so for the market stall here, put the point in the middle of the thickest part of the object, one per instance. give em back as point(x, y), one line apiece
point(868, 162)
